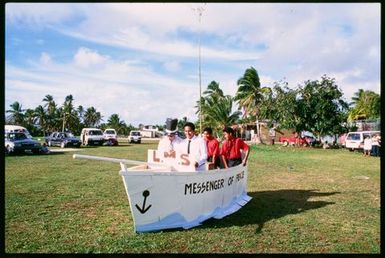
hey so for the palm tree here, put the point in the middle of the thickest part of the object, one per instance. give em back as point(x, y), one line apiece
point(80, 111)
point(50, 105)
point(92, 118)
point(222, 113)
point(30, 120)
point(217, 108)
point(41, 117)
point(16, 114)
point(213, 90)
point(52, 112)
point(115, 122)
point(364, 105)
point(249, 95)
point(68, 112)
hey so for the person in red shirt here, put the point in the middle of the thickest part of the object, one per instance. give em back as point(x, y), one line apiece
point(231, 149)
point(212, 148)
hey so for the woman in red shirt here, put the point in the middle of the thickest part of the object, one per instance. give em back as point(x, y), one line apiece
point(231, 149)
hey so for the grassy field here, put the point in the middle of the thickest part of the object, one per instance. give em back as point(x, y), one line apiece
point(304, 201)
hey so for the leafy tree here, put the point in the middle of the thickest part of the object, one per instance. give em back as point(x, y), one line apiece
point(321, 107)
point(316, 106)
point(280, 105)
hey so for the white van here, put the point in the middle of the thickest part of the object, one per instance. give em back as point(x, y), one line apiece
point(135, 136)
point(17, 129)
point(355, 140)
point(92, 136)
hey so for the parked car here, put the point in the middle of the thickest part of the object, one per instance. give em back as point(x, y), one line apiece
point(18, 142)
point(291, 140)
point(17, 129)
point(91, 136)
point(355, 140)
point(62, 139)
point(135, 136)
point(110, 137)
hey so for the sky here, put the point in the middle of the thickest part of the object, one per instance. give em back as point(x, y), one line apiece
point(141, 60)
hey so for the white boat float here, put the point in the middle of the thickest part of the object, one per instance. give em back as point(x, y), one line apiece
point(168, 193)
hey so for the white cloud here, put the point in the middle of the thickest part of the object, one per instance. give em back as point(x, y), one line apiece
point(172, 66)
point(86, 58)
point(123, 87)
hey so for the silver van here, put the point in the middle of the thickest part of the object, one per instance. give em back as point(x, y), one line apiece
point(355, 140)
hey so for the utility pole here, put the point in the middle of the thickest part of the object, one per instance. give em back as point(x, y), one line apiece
point(199, 10)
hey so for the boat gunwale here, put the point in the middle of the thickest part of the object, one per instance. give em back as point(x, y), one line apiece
point(152, 172)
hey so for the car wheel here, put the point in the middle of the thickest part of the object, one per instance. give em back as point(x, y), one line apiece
point(35, 151)
point(285, 143)
point(62, 145)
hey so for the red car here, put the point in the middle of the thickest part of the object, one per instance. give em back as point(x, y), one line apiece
point(291, 140)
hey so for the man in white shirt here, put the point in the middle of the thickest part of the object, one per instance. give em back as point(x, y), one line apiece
point(194, 146)
point(169, 143)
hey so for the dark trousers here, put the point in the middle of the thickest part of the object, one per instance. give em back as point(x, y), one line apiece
point(216, 162)
point(375, 150)
point(234, 162)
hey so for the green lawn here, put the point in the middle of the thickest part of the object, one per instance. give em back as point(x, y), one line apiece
point(304, 201)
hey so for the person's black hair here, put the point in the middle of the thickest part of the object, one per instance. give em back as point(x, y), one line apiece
point(189, 124)
point(208, 130)
point(228, 130)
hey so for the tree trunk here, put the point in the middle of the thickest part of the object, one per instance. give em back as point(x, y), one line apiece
point(64, 119)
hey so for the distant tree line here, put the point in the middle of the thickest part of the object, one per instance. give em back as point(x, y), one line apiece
point(316, 106)
point(51, 117)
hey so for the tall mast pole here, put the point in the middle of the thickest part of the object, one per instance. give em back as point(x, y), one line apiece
point(200, 11)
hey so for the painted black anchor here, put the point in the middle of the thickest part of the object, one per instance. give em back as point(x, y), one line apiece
point(143, 209)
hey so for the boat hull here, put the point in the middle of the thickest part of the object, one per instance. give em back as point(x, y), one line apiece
point(161, 199)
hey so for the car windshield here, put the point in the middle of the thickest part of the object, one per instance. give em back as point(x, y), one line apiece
point(66, 135)
point(110, 132)
point(96, 132)
point(353, 136)
point(16, 136)
point(135, 133)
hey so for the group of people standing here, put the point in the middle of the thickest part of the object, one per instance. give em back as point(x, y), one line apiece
point(205, 150)
point(372, 145)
